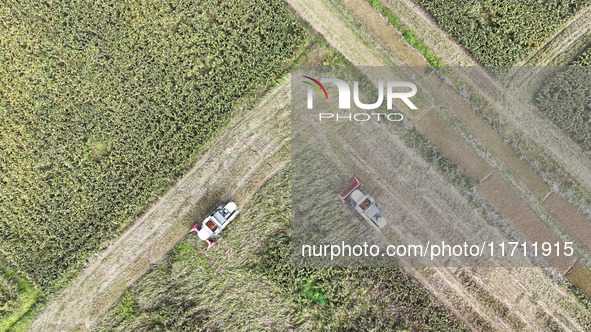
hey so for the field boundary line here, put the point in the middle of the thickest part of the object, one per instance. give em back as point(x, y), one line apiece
point(547, 195)
point(425, 111)
point(487, 176)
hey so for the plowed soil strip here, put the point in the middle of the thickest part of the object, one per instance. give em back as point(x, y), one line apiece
point(580, 277)
point(452, 146)
point(253, 149)
point(391, 41)
point(569, 216)
point(522, 218)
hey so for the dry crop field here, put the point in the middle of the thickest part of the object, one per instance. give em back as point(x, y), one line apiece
point(107, 104)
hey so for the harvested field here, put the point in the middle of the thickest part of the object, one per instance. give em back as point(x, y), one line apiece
point(569, 216)
point(416, 196)
point(498, 192)
point(579, 277)
point(269, 293)
point(452, 146)
point(519, 168)
point(558, 50)
point(522, 218)
point(550, 297)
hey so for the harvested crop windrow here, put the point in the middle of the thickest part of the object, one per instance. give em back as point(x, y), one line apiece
point(104, 104)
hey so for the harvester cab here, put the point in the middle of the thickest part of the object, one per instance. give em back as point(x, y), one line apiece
point(363, 203)
point(212, 226)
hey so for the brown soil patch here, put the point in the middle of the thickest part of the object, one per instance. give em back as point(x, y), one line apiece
point(580, 277)
point(452, 145)
point(522, 218)
point(569, 216)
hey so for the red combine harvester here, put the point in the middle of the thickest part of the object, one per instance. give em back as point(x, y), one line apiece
point(363, 203)
point(212, 226)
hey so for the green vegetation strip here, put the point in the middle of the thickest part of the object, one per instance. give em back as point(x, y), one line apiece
point(407, 33)
point(247, 282)
point(583, 59)
point(501, 32)
point(17, 297)
point(104, 104)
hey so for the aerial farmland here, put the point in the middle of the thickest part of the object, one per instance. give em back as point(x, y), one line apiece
point(221, 165)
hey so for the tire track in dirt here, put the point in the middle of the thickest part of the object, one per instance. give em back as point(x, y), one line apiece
point(554, 310)
point(238, 162)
